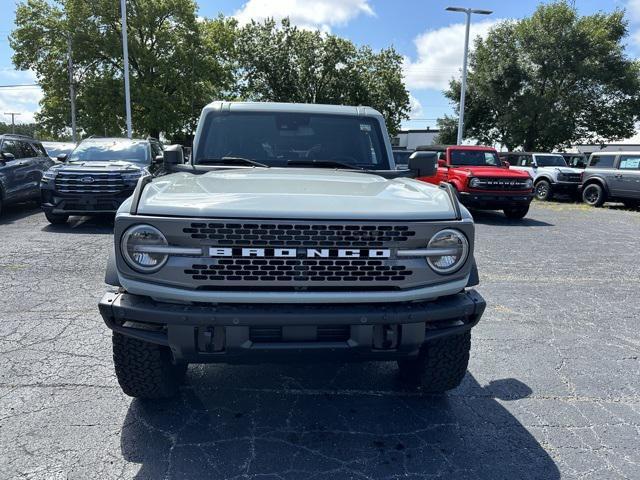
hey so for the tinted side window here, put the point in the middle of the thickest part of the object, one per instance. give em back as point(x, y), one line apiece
point(40, 149)
point(523, 161)
point(11, 146)
point(155, 149)
point(629, 162)
point(602, 161)
point(27, 150)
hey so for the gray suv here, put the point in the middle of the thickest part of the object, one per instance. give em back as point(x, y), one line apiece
point(612, 176)
point(23, 160)
point(290, 237)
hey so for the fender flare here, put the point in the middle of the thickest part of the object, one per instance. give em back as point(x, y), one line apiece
point(111, 273)
point(543, 177)
point(598, 180)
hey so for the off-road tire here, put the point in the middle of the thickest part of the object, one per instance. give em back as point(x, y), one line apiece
point(543, 190)
point(516, 213)
point(146, 370)
point(441, 364)
point(56, 219)
point(594, 195)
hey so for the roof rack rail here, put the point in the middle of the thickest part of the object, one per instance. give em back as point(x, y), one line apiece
point(19, 135)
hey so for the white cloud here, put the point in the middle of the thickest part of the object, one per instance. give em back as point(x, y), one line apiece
point(23, 100)
point(312, 14)
point(417, 110)
point(439, 55)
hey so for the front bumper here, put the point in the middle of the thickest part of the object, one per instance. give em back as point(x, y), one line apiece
point(52, 202)
point(243, 333)
point(495, 201)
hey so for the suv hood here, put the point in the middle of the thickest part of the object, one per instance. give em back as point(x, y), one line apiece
point(563, 169)
point(111, 166)
point(493, 172)
point(300, 193)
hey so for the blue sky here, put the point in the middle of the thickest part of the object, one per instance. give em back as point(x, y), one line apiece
point(429, 37)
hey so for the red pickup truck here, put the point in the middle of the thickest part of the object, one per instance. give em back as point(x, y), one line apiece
point(482, 180)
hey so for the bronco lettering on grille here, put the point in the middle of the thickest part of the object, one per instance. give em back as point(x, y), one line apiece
point(297, 252)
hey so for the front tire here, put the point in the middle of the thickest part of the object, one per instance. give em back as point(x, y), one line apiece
point(516, 213)
point(55, 219)
point(594, 195)
point(441, 364)
point(543, 190)
point(146, 370)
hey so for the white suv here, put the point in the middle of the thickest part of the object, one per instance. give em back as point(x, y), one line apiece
point(550, 172)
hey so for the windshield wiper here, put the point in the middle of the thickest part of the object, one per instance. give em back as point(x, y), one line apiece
point(324, 164)
point(231, 161)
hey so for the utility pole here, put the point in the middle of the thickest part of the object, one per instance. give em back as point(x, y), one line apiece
point(125, 53)
point(13, 120)
point(463, 87)
point(72, 90)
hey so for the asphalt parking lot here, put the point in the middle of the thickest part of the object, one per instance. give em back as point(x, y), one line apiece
point(552, 389)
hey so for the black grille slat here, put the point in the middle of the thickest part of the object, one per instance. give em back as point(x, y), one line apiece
point(301, 270)
point(324, 333)
point(360, 236)
point(74, 182)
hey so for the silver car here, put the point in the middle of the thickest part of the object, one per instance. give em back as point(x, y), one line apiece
point(612, 176)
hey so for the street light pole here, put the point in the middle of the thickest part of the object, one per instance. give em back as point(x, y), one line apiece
point(13, 120)
point(463, 86)
point(125, 53)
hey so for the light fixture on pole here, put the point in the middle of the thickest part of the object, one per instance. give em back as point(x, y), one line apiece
point(463, 86)
point(125, 53)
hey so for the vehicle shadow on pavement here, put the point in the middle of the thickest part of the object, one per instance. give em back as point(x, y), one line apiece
point(325, 422)
point(497, 218)
point(14, 213)
point(102, 224)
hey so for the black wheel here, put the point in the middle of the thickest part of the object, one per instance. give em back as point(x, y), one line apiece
point(146, 370)
point(440, 365)
point(56, 219)
point(631, 203)
point(594, 195)
point(543, 190)
point(517, 212)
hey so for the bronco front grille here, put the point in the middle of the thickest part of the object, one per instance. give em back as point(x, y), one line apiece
point(321, 333)
point(491, 183)
point(298, 270)
point(298, 235)
point(89, 183)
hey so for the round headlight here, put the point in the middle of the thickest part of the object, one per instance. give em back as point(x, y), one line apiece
point(474, 182)
point(528, 183)
point(455, 249)
point(137, 248)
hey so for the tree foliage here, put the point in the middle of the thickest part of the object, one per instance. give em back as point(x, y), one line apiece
point(448, 130)
point(551, 80)
point(282, 63)
point(174, 69)
point(179, 63)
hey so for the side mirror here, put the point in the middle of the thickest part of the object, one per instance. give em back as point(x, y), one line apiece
point(424, 163)
point(442, 163)
point(7, 157)
point(62, 157)
point(505, 164)
point(173, 155)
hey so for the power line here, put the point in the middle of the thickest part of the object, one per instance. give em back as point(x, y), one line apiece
point(23, 85)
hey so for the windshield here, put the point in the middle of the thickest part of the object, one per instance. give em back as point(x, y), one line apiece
point(55, 149)
point(293, 139)
point(551, 161)
point(474, 158)
point(111, 151)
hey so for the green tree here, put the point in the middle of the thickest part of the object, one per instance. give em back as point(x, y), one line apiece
point(448, 130)
point(551, 80)
point(175, 67)
point(280, 62)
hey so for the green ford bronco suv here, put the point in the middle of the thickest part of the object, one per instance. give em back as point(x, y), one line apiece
point(290, 235)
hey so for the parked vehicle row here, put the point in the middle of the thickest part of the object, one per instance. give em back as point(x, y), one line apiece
point(612, 176)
